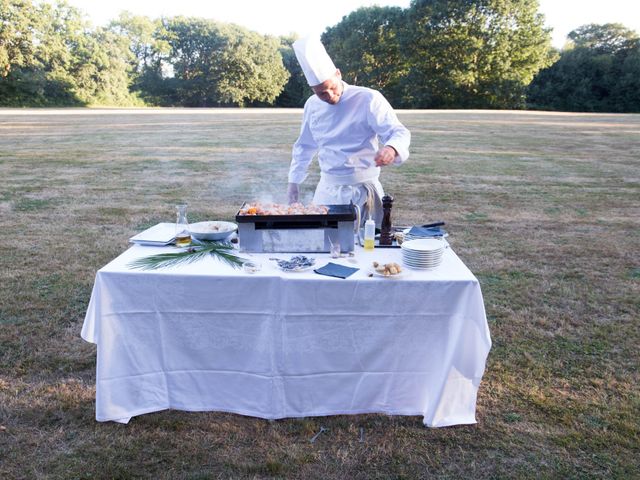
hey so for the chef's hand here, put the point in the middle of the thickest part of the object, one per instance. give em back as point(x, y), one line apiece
point(292, 193)
point(385, 156)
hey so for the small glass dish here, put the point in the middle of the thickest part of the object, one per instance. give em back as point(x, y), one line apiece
point(251, 267)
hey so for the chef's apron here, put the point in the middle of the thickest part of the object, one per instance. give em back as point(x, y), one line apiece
point(362, 188)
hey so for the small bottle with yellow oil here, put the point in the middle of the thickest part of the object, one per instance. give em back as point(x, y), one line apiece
point(369, 234)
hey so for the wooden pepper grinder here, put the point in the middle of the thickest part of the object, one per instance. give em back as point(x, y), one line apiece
point(386, 237)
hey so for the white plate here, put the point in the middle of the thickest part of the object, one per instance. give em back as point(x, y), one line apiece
point(419, 258)
point(422, 265)
point(158, 235)
point(412, 267)
point(423, 245)
point(412, 262)
point(217, 230)
point(298, 269)
point(422, 259)
point(301, 268)
point(422, 255)
point(402, 274)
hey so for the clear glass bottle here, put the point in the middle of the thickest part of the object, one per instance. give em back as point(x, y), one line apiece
point(183, 237)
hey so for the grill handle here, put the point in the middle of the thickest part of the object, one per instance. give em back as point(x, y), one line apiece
point(356, 226)
point(434, 224)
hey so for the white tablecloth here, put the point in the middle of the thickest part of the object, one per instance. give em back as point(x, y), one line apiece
point(273, 345)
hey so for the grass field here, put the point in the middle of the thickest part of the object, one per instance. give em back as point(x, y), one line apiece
point(543, 208)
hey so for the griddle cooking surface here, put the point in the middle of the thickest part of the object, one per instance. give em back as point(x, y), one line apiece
point(336, 213)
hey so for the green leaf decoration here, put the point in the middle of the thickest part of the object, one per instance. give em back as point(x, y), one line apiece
point(198, 250)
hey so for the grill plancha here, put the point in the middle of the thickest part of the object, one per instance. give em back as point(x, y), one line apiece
point(312, 233)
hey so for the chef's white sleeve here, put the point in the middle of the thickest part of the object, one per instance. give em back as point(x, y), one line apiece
point(383, 120)
point(303, 152)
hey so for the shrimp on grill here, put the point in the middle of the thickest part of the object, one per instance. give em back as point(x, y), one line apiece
point(257, 208)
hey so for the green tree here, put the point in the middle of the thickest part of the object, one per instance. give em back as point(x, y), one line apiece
point(39, 77)
point(473, 54)
point(599, 71)
point(149, 57)
point(108, 78)
point(609, 38)
point(625, 93)
point(218, 64)
point(55, 58)
point(18, 19)
point(296, 90)
point(92, 63)
point(366, 48)
point(144, 36)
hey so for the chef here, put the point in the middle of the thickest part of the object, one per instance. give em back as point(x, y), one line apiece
point(353, 130)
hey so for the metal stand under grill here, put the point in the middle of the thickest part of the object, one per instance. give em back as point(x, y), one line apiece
point(298, 233)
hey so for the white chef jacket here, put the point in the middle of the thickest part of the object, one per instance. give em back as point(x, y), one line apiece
point(346, 136)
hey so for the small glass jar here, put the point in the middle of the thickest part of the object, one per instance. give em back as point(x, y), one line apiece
point(251, 267)
point(183, 237)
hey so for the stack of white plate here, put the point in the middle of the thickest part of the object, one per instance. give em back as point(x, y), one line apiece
point(422, 253)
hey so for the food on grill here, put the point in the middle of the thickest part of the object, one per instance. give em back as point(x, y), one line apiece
point(297, 262)
point(257, 208)
point(387, 269)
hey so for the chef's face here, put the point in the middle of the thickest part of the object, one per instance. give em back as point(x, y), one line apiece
point(330, 90)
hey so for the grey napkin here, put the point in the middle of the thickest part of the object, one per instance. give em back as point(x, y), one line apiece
point(335, 270)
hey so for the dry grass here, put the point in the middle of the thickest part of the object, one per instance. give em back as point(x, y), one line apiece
point(544, 208)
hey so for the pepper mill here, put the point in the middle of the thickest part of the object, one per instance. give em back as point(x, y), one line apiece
point(386, 238)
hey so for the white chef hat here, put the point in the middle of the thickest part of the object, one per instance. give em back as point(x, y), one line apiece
point(314, 60)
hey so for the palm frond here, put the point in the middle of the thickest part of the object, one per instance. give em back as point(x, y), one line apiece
point(199, 250)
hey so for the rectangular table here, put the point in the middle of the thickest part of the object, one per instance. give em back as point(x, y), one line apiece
point(206, 337)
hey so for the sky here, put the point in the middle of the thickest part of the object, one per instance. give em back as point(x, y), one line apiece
point(282, 17)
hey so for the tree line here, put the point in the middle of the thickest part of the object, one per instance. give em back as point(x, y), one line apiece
point(433, 54)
